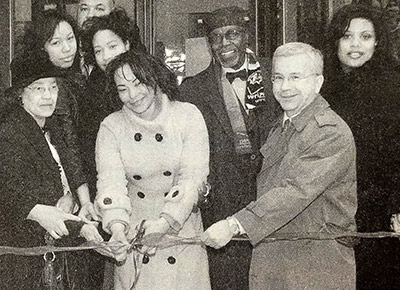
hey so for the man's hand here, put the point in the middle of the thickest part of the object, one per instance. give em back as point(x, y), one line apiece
point(217, 235)
point(52, 219)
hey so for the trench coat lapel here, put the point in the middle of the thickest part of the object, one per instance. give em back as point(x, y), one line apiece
point(33, 136)
point(276, 146)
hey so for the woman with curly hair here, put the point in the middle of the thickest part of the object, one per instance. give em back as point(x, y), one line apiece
point(103, 38)
point(152, 161)
point(363, 88)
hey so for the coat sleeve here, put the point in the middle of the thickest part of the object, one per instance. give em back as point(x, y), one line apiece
point(112, 201)
point(22, 189)
point(316, 168)
point(193, 170)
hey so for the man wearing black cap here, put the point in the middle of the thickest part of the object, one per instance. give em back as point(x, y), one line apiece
point(235, 98)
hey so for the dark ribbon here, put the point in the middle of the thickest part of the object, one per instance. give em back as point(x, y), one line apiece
point(231, 76)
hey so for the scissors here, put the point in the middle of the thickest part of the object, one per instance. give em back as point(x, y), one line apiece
point(135, 242)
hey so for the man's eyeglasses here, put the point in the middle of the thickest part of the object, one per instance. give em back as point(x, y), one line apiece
point(42, 89)
point(230, 34)
point(278, 79)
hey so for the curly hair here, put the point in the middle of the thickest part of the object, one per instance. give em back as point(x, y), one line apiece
point(42, 29)
point(119, 23)
point(148, 69)
point(341, 22)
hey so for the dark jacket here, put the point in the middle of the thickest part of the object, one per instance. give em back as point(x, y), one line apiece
point(368, 100)
point(232, 176)
point(28, 176)
point(94, 106)
point(64, 123)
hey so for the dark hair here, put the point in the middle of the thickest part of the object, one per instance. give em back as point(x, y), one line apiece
point(42, 30)
point(341, 22)
point(119, 23)
point(148, 69)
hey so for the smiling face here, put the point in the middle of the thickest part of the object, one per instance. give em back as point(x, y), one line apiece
point(229, 44)
point(357, 45)
point(39, 99)
point(62, 46)
point(296, 83)
point(136, 96)
point(90, 8)
point(106, 46)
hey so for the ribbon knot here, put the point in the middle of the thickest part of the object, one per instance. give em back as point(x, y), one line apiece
point(231, 76)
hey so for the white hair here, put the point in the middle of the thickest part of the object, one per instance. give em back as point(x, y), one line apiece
point(297, 48)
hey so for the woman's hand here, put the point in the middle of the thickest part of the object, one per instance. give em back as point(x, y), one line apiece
point(88, 213)
point(121, 248)
point(90, 233)
point(52, 219)
point(154, 231)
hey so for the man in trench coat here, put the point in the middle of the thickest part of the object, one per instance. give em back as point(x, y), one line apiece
point(307, 184)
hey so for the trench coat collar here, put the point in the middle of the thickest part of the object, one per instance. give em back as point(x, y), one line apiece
point(33, 134)
point(302, 119)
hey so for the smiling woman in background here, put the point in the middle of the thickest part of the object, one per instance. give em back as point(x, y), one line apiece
point(364, 90)
point(53, 35)
point(103, 38)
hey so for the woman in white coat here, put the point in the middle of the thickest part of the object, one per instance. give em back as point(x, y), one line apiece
point(152, 162)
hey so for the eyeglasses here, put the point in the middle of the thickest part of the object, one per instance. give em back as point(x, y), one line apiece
point(42, 89)
point(230, 34)
point(278, 79)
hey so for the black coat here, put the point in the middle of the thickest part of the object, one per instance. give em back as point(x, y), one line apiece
point(368, 99)
point(94, 105)
point(232, 176)
point(28, 176)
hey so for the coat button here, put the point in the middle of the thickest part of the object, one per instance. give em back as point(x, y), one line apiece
point(107, 201)
point(253, 156)
point(175, 193)
point(167, 173)
point(171, 260)
point(146, 259)
point(138, 137)
point(137, 177)
point(159, 137)
point(140, 194)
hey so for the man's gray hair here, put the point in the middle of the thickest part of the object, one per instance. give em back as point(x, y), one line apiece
point(297, 48)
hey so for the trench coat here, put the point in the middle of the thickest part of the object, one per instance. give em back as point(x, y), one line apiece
point(28, 176)
point(152, 169)
point(232, 176)
point(307, 184)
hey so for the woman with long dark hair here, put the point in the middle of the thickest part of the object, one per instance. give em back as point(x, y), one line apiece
point(53, 35)
point(364, 90)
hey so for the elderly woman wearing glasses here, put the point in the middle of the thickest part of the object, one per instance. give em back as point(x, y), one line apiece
point(37, 202)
